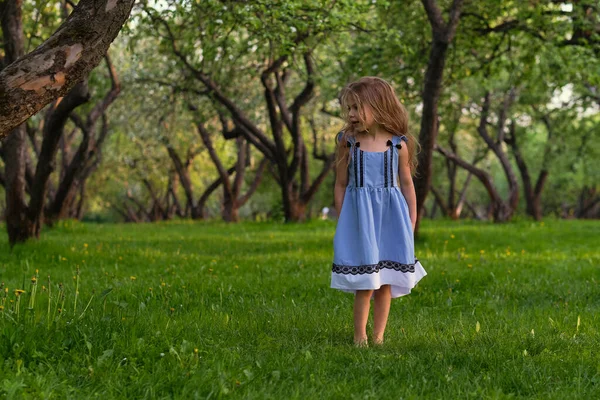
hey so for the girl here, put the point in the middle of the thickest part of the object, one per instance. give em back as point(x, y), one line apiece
point(373, 244)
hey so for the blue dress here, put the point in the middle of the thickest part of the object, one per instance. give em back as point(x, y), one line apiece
point(373, 243)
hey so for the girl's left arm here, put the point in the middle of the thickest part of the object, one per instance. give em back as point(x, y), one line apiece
point(406, 184)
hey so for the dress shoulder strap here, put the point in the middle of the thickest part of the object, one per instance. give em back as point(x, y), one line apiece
point(397, 141)
point(349, 139)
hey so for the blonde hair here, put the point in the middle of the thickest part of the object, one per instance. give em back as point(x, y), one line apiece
point(387, 110)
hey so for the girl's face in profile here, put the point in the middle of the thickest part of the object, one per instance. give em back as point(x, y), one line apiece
point(361, 119)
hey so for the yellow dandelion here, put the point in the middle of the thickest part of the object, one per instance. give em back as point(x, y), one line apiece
point(196, 350)
point(60, 310)
point(150, 289)
point(133, 278)
point(445, 242)
point(1, 308)
point(172, 309)
point(120, 258)
point(85, 245)
point(64, 259)
point(210, 270)
point(33, 279)
point(235, 266)
point(19, 291)
point(123, 319)
point(163, 284)
point(470, 265)
point(458, 280)
point(452, 236)
point(6, 290)
point(523, 251)
point(37, 271)
point(481, 251)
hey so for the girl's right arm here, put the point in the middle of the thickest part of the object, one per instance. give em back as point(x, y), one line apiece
point(341, 179)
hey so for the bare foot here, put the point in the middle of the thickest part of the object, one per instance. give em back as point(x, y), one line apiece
point(378, 341)
point(361, 342)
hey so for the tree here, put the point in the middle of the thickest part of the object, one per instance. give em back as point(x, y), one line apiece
point(32, 81)
point(443, 33)
point(277, 54)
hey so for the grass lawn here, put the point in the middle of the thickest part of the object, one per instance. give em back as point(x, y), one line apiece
point(209, 310)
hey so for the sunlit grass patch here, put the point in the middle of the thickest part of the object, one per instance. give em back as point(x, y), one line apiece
point(187, 309)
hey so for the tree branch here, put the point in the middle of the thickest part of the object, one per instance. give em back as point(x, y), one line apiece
point(51, 70)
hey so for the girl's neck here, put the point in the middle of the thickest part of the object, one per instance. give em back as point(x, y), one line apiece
point(376, 133)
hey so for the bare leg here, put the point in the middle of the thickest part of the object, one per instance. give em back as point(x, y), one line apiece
point(383, 299)
point(362, 302)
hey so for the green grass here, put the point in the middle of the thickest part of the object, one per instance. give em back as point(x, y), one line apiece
point(210, 310)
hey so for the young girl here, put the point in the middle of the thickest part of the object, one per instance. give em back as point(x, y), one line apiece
point(373, 244)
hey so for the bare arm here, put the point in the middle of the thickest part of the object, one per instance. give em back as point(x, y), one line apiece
point(341, 180)
point(406, 184)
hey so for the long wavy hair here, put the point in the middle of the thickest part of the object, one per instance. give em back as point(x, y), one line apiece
point(387, 110)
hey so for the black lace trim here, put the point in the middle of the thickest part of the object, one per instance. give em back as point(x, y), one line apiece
point(391, 163)
point(355, 166)
point(362, 170)
point(373, 268)
point(385, 176)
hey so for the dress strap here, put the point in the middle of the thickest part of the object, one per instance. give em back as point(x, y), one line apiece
point(349, 141)
point(398, 141)
point(388, 166)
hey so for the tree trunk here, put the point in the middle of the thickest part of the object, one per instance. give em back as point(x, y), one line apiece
point(297, 212)
point(443, 34)
point(14, 147)
point(229, 210)
point(53, 131)
point(499, 210)
point(50, 71)
point(457, 209)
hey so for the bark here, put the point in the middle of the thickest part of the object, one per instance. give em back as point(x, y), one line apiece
point(457, 209)
point(232, 200)
point(53, 131)
point(172, 191)
point(533, 194)
point(443, 34)
point(88, 154)
point(186, 182)
point(496, 146)
point(31, 82)
point(588, 204)
point(210, 190)
point(78, 211)
point(499, 209)
point(14, 148)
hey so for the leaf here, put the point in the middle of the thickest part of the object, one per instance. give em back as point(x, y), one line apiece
point(105, 292)
point(105, 356)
